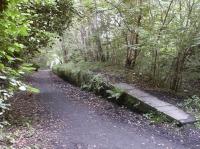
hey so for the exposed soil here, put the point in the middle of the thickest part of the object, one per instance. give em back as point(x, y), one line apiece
point(63, 116)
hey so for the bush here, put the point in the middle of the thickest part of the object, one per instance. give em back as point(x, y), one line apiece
point(193, 106)
point(84, 78)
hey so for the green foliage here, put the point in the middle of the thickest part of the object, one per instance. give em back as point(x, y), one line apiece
point(72, 73)
point(25, 26)
point(156, 117)
point(46, 18)
point(96, 83)
point(115, 93)
point(192, 105)
point(158, 40)
point(81, 75)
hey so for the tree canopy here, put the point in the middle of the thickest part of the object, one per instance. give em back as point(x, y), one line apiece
point(157, 39)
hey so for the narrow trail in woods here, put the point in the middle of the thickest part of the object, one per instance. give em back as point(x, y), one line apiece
point(82, 120)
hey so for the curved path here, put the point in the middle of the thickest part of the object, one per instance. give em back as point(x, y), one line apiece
point(89, 122)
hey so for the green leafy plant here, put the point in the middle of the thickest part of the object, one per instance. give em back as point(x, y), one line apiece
point(192, 105)
point(156, 117)
point(96, 83)
point(114, 93)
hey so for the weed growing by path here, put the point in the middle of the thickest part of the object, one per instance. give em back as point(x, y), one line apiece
point(192, 105)
point(156, 117)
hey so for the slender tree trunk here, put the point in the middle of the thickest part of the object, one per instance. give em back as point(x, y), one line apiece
point(136, 51)
point(176, 77)
point(98, 40)
point(64, 49)
point(132, 54)
point(180, 61)
point(156, 71)
point(128, 53)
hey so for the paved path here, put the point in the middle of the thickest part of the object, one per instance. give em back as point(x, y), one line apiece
point(83, 127)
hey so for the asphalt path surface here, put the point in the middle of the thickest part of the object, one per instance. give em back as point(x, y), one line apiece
point(90, 122)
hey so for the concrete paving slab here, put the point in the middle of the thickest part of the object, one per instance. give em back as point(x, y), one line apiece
point(124, 86)
point(180, 116)
point(154, 101)
point(157, 104)
point(138, 93)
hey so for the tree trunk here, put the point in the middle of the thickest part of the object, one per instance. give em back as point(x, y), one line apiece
point(176, 77)
point(100, 55)
point(179, 67)
point(128, 53)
